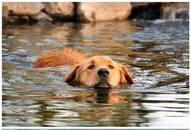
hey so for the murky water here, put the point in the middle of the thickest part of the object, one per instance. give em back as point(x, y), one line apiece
point(156, 52)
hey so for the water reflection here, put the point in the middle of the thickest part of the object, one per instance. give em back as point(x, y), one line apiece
point(156, 53)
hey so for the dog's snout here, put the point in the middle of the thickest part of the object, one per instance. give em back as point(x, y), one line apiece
point(103, 72)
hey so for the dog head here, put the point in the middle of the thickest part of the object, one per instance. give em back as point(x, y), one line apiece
point(99, 71)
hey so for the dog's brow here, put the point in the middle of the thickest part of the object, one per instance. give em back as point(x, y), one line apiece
point(107, 61)
point(92, 62)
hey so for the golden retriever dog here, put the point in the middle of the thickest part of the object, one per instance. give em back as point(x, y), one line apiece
point(96, 71)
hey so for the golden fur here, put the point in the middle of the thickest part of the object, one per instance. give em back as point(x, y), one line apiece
point(66, 56)
point(85, 70)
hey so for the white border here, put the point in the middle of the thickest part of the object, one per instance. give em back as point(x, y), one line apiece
point(189, 66)
point(1, 64)
point(94, 128)
point(95, 0)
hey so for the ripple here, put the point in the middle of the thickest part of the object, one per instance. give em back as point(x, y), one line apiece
point(156, 52)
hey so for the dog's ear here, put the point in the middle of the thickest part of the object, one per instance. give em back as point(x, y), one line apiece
point(70, 78)
point(125, 76)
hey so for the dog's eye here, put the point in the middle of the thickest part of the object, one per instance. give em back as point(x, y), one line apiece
point(111, 66)
point(91, 67)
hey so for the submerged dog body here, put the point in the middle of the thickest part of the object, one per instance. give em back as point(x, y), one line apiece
point(96, 71)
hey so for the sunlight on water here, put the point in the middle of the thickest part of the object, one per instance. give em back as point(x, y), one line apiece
point(157, 54)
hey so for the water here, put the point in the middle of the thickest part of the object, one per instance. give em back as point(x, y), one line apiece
point(156, 52)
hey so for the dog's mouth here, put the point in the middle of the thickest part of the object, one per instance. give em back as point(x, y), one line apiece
point(102, 84)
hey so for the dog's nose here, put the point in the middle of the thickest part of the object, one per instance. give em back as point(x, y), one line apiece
point(103, 72)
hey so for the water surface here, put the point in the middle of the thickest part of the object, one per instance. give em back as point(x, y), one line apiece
point(157, 53)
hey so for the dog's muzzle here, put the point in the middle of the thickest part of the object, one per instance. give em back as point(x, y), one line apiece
point(103, 73)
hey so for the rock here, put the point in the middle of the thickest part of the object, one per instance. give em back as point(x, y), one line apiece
point(60, 9)
point(103, 11)
point(139, 4)
point(5, 12)
point(43, 17)
point(178, 10)
point(23, 8)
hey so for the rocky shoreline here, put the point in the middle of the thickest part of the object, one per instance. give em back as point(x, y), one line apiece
point(34, 12)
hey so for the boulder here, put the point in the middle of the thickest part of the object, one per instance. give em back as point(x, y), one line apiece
point(178, 10)
point(103, 11)
point(60, 9)
point(23, 8)
point(42, 17)
point(139, 4)
point(5, 12)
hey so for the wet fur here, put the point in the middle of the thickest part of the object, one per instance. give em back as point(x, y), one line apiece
point(80, 75)
point(66, 56)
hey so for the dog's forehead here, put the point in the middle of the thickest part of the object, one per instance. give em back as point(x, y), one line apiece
point(101, 59)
